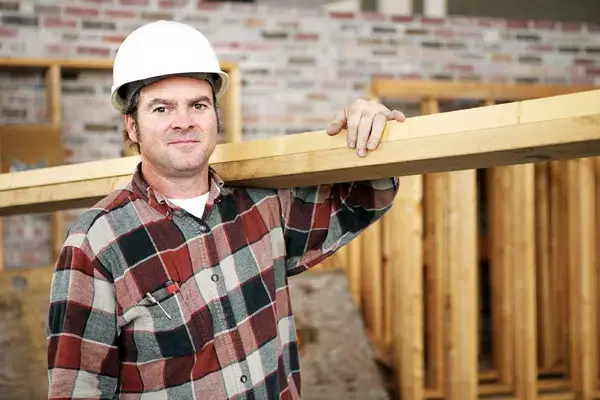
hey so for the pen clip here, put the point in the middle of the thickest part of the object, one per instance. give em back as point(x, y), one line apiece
point(154, 301)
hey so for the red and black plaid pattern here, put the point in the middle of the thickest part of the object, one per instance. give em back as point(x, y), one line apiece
point(150, 302)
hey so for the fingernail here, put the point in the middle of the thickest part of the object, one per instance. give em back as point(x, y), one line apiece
point(361, 152)
point(371, 146)
point(351, 145)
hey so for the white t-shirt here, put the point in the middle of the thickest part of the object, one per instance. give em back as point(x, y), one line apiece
point(193, 205)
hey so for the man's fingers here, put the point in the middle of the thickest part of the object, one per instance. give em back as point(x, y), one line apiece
point(338, 123)
point(364, 132)
point(397, 115)
point(354, 118)
point(379, 121)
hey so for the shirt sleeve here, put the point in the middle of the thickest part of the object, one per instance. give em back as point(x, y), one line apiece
point(318, 220)
point(82, 326)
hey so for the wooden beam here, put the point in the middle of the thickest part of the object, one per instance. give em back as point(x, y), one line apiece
point(560, 127)
point(73, 63)
point(401, 88)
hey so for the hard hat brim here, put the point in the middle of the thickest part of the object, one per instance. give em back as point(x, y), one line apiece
point(119, 103)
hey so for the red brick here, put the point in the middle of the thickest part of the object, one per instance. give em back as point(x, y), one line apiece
point(544, 24)
point(113, 38)
point(202, 5)
point(120, 13)
point(256, 46)
point(435, 21)
point(584, 61)
point(8, 32)
point(444, 33)
point(58, 49)
point(94, 51)
point(468, 34)
point(372, 16)
point(571, 26)
point(81, 11)
point(411, 76)
point(134, 2)
point(517, 23)
point(541, 47)
point(593, 27)
point(57, 22)
point(402, 18)
point(592, 71)
point(381, 75)
point(460, 67)
point(341, 14)
point(172, 3)
point(307, 36)
point(334, 84)
point(485, 22)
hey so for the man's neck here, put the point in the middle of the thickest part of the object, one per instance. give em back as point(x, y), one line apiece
point(176, 187)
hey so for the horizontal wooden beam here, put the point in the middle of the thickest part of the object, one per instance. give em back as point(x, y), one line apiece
point(388, 88)
point(553, 128)
point(70, 63)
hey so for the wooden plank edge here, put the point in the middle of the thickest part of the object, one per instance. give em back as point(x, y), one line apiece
point(457, 89)
point(571, 138)
point(474, 123)
point(73, 63)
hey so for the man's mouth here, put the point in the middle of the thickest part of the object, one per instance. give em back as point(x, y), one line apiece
point(184, 141)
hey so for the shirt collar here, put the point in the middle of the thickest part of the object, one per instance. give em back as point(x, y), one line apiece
point(141, 188)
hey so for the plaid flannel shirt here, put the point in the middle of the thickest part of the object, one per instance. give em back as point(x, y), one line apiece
point(150, 302)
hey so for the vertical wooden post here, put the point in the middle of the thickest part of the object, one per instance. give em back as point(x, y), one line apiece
point(597, 164)
point(387, 233)
point(55, 116)
point(548, 356)
point(461, 307)
point(583, 276)
point(523, 261)
point(436, 259)
point(372, 284)
point(501, 272)
point(407, 267)
point(354, 270)
point(1, 227)
point(559, 253)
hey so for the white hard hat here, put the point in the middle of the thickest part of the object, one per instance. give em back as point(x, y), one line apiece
point(163, 48)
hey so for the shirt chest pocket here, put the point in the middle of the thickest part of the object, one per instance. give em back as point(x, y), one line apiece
point(164, 327)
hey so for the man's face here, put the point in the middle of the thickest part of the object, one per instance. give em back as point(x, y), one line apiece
point(177, 126)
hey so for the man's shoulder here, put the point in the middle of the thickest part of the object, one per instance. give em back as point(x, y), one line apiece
point(90, 217)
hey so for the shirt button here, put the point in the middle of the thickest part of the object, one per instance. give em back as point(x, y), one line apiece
point(244, 378)
point(215, 277)
point(203, 228)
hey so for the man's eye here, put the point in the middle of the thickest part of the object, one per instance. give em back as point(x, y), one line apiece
point(199, 106)
point(159, 109)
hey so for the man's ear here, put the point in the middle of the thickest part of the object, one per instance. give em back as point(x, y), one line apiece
point(130, 125)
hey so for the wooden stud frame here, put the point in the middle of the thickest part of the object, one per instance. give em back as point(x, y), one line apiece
point(434, 341)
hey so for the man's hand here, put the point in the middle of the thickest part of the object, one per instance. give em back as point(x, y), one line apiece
point(365, 121)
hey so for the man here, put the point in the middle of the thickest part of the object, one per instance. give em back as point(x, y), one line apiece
point(176, 286)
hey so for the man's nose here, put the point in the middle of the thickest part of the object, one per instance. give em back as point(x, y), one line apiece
point(182, 119)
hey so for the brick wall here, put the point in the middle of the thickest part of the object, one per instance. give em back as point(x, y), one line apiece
point(298, 66)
